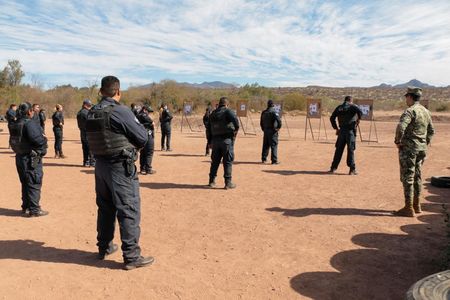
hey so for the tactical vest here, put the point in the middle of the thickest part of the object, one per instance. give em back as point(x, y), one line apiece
point(81, 119)
point(220, 126)
point(268, 121)
point(19, 144)
point(101, 139)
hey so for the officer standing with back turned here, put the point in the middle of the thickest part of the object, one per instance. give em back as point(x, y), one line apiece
point(146, 155)
point(30, 145)
point(82, 115)
point(114, 135)
point(348, 115)
point(221, 131)
point(270, 123)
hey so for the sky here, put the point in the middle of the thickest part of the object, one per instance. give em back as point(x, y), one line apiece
point(274, 43)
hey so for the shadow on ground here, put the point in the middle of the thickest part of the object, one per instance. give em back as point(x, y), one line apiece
point(305, 212)
point(30, 250)
point(52, 164)
point(7, 212)
point(292, 172)
point(170, 185)
point(388, 264)
point(183, 155)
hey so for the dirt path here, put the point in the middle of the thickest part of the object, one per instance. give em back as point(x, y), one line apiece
point(287, 232)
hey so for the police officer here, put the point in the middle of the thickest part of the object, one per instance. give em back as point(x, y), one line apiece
point(42, 118)
point(30, 145)
point(88, 159)
point(221, 131)
point(205, 123)
point(146, 154)
point(348, 115)
point(11, 118)
point(58, 123)
point(165, 119)
point(413, 134)
point(270, 123)
point(36, 108)
point(113, 134)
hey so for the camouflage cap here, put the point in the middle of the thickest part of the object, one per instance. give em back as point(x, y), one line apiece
point(412, 90)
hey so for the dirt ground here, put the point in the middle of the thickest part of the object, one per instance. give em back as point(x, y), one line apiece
point(288, 231)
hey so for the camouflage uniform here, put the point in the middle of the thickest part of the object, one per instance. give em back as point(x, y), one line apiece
point(413, 134)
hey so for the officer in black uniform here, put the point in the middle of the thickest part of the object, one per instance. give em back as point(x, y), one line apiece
point(36, 108)
point(270, 123)
point(11, 118)
point(205, 122)
point(42, 118)
point(165, 119)
point(146, 154)
point(221, 131)
point(58, 123)
point(348, 115)
point(30, 145)
point(113, 134)
point(88, 159)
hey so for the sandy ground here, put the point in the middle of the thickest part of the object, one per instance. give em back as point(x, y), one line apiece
point(288, 231)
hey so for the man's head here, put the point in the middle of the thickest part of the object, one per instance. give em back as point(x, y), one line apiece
point(270, 103)
point(87, 103)
point(110, 87)
point(223, 101)
point(36, 107)
point(147, 108)
point(13, 107)
point(413, 95)
point(26, 110)
point(58, 107)
point(348, 99)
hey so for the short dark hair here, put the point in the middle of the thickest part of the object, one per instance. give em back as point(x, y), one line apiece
point(35, 104)
point(415, 97)
point(223, 100)
point(348, 98)
point(110, 86)
point(24, 108)
point(12, 105)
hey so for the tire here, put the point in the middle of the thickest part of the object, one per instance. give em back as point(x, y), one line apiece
point(440, 181)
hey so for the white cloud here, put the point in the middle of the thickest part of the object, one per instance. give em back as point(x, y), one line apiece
point(279, 42)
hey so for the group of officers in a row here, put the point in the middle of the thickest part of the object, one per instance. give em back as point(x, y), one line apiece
point(112, 134)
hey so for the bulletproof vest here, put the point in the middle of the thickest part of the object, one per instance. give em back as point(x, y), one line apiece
point(220, 126)
point(268, 121)
point(101, 139)
point(19, 143)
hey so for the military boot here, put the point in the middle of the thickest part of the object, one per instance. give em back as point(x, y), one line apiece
point(229, 185)
point(406, 211)
point(416, 205)
point(61, 155)
point(212, 183)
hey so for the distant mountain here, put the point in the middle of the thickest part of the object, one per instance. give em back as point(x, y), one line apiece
point(203, 85)
point(413, 82)
point(210, 85)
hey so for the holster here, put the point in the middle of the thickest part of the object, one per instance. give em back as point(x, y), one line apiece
point(35, 158)
point(131, 157)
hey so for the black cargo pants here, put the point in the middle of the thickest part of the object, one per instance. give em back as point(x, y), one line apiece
point(345, 138)
point(118, 196)
point(222, 150)
point(31, 181)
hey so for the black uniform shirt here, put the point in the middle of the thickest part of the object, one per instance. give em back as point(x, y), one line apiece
point(348, 114)
point(82, 116)
point(270, 119)
point(10, 115)
point(166, 116)
point(32, 132)
point(58, 118)
point(124, 121)
point(145, 120)
point(227, 114)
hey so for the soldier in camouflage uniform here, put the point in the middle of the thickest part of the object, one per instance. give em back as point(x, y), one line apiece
point(413, 134)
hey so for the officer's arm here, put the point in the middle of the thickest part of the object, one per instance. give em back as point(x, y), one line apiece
point(430, 131)
point(35, 135)
point(124, 121)
point(405, 119)
point(333, 119)
point(278, 119)
point(358, 112)
point(234, 120)
point(261, 121)
point(208, 130)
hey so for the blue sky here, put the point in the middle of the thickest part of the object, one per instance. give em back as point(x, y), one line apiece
point(274, 43)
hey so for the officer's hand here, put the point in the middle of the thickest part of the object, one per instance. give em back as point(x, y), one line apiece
point(399, 146)
point(337, 131)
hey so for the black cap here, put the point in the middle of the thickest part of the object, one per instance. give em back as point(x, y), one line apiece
point(147, 107)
